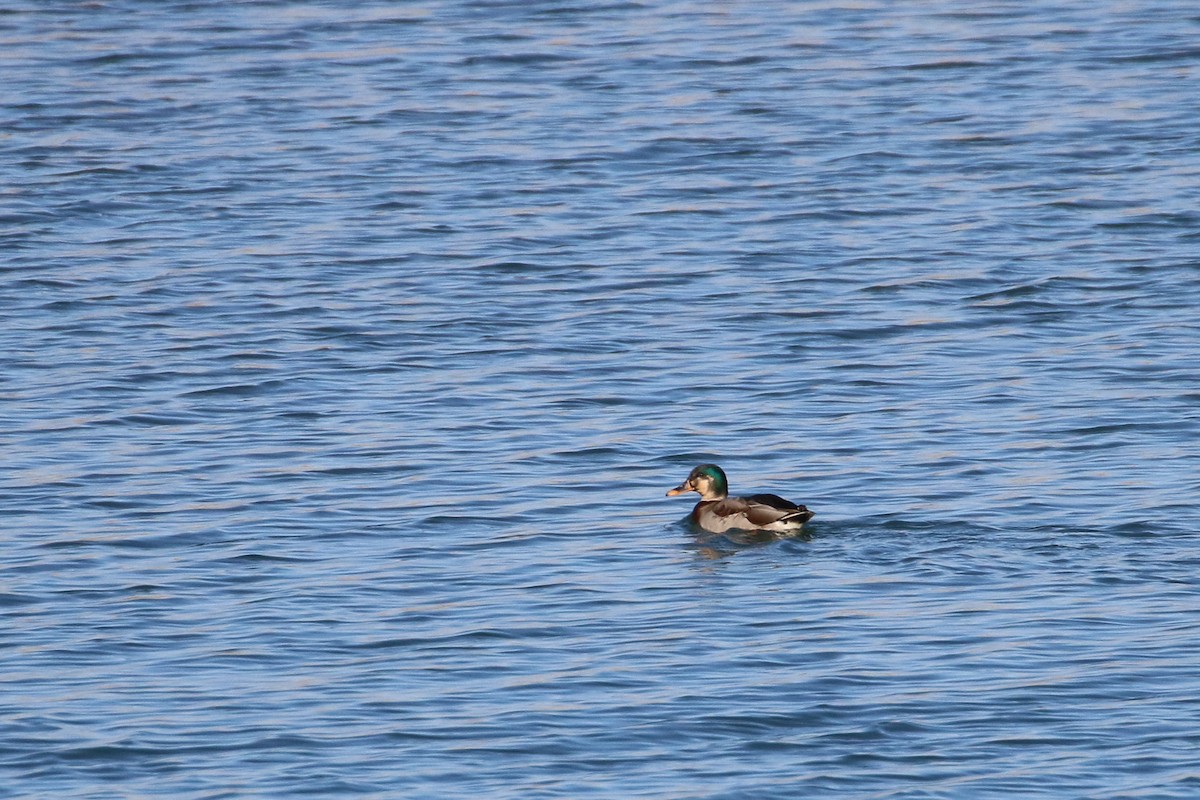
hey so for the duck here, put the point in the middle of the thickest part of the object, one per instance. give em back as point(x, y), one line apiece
point(717, 512)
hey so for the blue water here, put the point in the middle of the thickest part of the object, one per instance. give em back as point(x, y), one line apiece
point(348, 350)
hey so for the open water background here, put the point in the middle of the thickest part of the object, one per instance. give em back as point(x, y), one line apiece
point(347, 351)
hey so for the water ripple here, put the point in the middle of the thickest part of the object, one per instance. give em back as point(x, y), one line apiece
point(349, 352)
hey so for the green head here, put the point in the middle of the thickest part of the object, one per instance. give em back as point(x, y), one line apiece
point(707, 480)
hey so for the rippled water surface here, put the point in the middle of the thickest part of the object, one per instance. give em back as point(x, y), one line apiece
point(348, 350)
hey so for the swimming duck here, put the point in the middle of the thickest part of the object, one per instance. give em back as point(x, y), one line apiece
point(718, 512)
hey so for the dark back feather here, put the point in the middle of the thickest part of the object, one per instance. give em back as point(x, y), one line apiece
point(773, 500)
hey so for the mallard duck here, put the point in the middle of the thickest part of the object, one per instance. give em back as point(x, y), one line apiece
point(718, 512)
